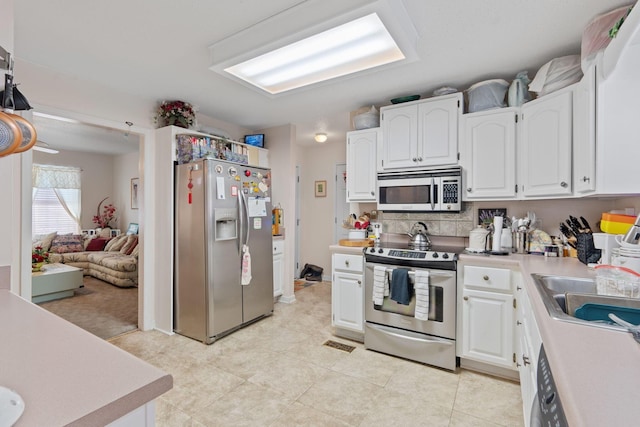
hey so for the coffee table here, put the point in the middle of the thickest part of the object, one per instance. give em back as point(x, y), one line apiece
point(54, 282)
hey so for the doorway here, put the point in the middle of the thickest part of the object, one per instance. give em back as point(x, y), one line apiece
point(73, 126)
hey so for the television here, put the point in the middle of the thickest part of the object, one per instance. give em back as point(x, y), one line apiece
point(257, 140)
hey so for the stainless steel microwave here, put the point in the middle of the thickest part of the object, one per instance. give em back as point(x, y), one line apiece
point(433, 190)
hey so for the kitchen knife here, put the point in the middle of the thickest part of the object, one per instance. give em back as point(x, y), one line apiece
point(566, 230)
point(587, 227)
point(576, 223)
point(573, 228)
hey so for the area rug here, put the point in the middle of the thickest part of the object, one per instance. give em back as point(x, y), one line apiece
point(99, 307)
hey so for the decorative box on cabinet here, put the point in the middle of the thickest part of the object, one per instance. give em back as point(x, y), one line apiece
point(488, 154)
point(278, 267)
point(420, 133)
point(362, 147)
point(347, 295)
point(486, 313)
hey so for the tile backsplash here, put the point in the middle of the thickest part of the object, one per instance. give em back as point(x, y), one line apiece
point(438, 224)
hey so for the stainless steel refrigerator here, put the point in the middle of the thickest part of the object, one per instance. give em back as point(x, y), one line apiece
point(222, 213)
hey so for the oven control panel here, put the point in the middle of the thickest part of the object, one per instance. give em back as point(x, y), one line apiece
point(411, 254)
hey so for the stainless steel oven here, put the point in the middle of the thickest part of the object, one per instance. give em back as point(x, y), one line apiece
point(415, 329)
point(433, 190)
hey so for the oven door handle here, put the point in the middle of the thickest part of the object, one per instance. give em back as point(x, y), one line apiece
point(406, 337)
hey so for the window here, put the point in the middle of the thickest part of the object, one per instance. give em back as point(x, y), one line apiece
point(56, 199)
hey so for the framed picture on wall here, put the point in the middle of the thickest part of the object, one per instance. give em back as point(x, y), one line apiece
point(133, 228)
point(321, 188)
point(135, 183)
point(485, 216)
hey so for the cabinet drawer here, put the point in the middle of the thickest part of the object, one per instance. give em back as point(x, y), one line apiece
point(345, 262)
point(487, 278)
point(278, 247)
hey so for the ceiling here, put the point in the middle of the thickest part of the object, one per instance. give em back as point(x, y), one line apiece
point(159, 50)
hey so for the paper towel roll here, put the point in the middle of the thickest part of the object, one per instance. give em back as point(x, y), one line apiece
point(496, 245)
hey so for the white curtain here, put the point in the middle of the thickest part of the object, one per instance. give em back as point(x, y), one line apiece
point(65, 182)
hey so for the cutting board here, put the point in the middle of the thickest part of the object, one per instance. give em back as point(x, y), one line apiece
point(356, 243)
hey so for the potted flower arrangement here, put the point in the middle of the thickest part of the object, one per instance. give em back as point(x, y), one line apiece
point(39, 257)
point(176, 113)
point(103, 219)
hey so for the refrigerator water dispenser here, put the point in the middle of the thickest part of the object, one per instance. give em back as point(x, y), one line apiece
point(226, 224)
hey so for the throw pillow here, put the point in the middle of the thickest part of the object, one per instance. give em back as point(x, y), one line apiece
point(96, 244)
point(132, 240)
point(116, 243)
point(135, 251)
point(67, 243)
point(44, 241)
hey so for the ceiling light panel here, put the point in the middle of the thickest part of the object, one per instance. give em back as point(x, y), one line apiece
point(358, 45)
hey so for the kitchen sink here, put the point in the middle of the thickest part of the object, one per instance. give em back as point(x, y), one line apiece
point(561, 295)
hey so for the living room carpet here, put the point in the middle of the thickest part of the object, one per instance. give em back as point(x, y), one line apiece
point(99, 307)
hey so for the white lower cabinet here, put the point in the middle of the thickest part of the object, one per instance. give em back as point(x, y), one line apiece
point(278, 267)
point(528, 342)
point(486, 307)
point(347, 294)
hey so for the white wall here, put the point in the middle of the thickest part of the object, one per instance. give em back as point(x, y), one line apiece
point(318, 163)
point(282, 159)
point(126, 167)
point(10, 175)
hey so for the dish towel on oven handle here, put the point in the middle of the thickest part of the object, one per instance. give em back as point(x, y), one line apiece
point(400, 286)
point(380, 286)
point(421, 287)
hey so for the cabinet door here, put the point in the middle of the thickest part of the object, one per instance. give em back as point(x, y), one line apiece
point(361, 165)
point(487, 325)
point(399, 136)
point(489, 155)
point(584, 134)
point(545, 141)
point(438, 131)
point(347, 294)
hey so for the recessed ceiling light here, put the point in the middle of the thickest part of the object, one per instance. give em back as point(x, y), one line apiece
point(358, 45)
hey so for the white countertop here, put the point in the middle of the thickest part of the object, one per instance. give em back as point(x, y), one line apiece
point(597, 371)
point(66, 375)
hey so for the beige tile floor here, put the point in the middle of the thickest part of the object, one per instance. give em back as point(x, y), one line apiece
point(277, 372)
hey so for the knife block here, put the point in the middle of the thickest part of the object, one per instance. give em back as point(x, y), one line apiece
point(587, 252)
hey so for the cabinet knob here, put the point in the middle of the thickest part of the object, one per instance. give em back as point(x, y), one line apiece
point(468, 189)
point(518, 288)
point(525, 360)
point(518, 322)
point(585, 179)
point(414, 159)
point(346, 263)
point(518, 365)
point(485, 277)
point(419, 159)
point(564, 184)
point(373, 194)
point(465, 298)
point(359, 282)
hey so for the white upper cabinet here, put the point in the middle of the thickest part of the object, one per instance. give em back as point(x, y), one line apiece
point(584, 134)
point(420, 133)
point(488, 154)
point(545, 145)
point(361, 165)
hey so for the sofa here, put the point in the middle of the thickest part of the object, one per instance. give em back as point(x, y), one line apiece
point(113, 260)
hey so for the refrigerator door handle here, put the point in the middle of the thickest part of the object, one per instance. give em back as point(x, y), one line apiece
point(241, 221)
point(245, 216)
